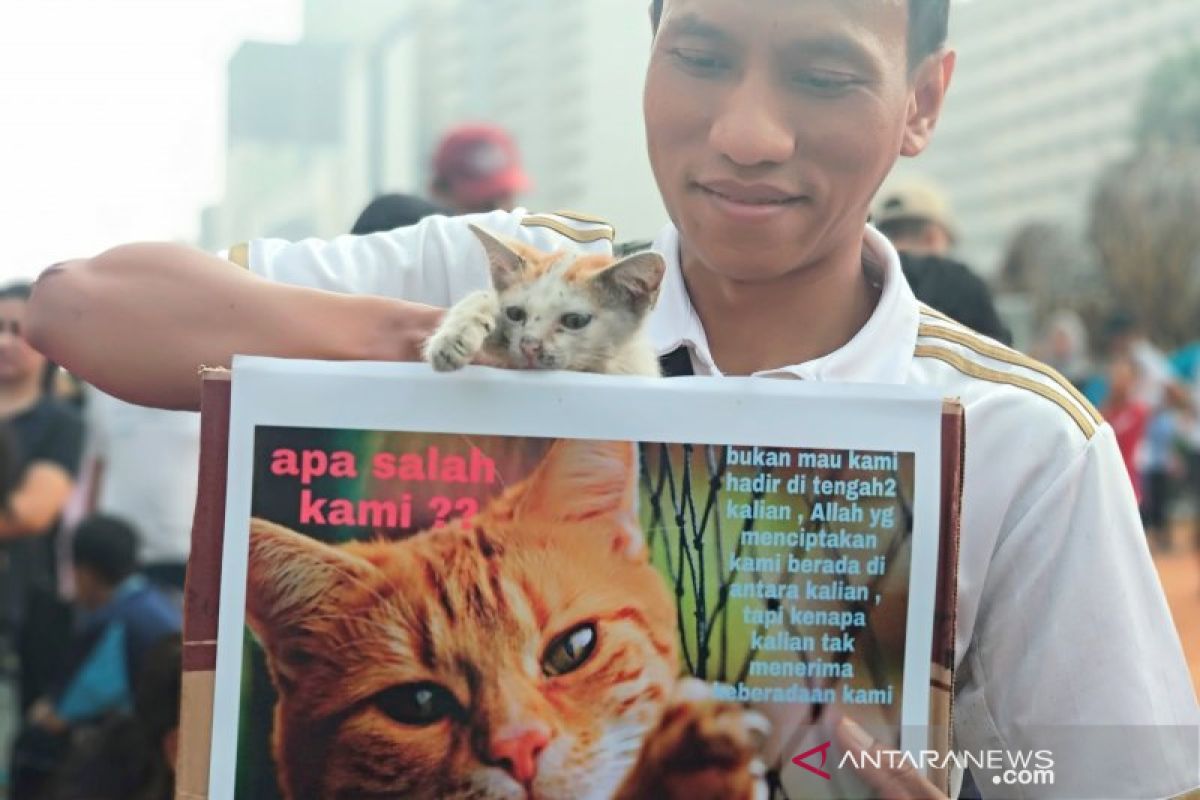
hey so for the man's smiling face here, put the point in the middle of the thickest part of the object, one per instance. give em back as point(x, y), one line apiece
point(772, 123)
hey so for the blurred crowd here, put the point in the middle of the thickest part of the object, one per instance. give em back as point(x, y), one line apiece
point(1149, 394)
point(96, 495)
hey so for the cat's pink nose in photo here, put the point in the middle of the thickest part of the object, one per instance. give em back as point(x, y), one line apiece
point(532, 349)
point(516, 748)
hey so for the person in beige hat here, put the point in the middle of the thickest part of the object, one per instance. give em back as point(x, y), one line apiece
point(916, 218)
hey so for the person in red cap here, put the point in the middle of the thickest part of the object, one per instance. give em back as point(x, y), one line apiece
point(477, 168)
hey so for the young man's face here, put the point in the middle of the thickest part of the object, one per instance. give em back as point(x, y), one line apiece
point(772, 123)
point(18, 361)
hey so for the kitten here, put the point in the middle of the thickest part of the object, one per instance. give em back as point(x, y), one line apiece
point(530, 654)
point(554, 311)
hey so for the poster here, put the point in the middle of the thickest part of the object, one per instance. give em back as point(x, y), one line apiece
point(494, 584)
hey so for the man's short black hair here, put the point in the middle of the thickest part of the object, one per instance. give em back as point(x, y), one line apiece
point(21, 290)
point(107, 546)
point(390, 211)
point(928, 26)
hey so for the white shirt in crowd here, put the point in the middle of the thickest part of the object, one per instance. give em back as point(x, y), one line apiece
point(1061, 618)
point(148, 471)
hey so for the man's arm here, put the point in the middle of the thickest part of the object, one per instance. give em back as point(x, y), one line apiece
point(139, 320)
point(1074, 651)
point(37, 501)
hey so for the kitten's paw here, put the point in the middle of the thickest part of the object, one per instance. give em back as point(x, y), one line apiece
point(450, 350)
point(701, 749)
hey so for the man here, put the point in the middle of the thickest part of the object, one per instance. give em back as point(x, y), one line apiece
point(122, 619)
point(477, 168)
point(770, 126)
point(916, 218)
point(40, 441)
point(143, 463)
point(45, 439)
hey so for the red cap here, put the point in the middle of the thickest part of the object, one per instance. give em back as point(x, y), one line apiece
point(479, 163)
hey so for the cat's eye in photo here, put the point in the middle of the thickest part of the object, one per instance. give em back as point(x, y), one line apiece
point(515, 313)
point(568, 652)
point(574, 322)
point(418, 703)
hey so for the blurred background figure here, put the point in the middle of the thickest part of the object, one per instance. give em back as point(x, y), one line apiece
point(120, 618)
point(132, 756)
point(390, 211)
point(916, 217)
point(951, 287)
point(477, 168)
point(142, 466)
point(1127, 413)
point(43, 438)
point(1063, 345)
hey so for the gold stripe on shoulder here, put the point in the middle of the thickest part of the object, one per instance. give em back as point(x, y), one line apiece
point(240, 254)
point(973, 370)
point(972, 341)
point(933, 312)
point(575, 235)
point(579, 216)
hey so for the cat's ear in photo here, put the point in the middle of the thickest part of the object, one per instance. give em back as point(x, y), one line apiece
point(505, 262)
point(289, 577)
point(634, 280)
point(584, 479)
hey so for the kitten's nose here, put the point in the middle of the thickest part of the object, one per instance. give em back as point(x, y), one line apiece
point(516, 748)
point(531, 348)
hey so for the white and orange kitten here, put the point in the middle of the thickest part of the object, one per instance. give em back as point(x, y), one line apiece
point(560, 310)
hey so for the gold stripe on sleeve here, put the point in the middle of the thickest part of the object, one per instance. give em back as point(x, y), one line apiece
point(575, 235)
point(973, 370)
point(973, 341)
point(579, 216)
point(240, 254)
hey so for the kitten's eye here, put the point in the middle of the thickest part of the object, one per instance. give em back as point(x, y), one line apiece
point(515, 313)
point(574, 322)
point(418, 703)
point(568, 652)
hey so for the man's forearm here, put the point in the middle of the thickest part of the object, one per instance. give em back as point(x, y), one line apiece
point(138, 321)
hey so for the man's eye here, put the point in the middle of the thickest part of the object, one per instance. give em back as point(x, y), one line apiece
point(515, 313)
point(700, 62)
point(823, 82)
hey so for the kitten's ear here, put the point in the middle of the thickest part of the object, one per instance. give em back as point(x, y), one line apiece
point(291, 575)
point(634, 281)
point(582, 479)
point(506, 263)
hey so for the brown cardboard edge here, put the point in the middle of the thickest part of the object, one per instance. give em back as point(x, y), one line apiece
point(942, 658)
point(202, 591)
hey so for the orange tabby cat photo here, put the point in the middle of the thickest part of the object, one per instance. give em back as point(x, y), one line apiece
point(530, 654)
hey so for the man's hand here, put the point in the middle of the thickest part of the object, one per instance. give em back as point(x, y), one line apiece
point(41, 714)
point(902, 783)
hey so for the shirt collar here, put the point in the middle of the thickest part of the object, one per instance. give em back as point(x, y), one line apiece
point(880, 352)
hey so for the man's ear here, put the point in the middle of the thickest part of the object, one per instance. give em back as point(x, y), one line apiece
point(930, 82)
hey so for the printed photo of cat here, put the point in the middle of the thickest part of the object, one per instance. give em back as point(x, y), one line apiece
point(530, 653)
point(557, 310)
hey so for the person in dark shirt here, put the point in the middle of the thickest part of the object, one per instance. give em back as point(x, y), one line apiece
point(953, 289)
point(122, 618)
point(390, 211)
point(43, 439)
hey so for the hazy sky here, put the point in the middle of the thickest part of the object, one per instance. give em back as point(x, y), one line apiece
point(112, 118)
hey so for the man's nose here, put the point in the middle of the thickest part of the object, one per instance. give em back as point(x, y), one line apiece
point(750, 128)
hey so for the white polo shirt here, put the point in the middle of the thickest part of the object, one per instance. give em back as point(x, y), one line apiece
point(1061, 618)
